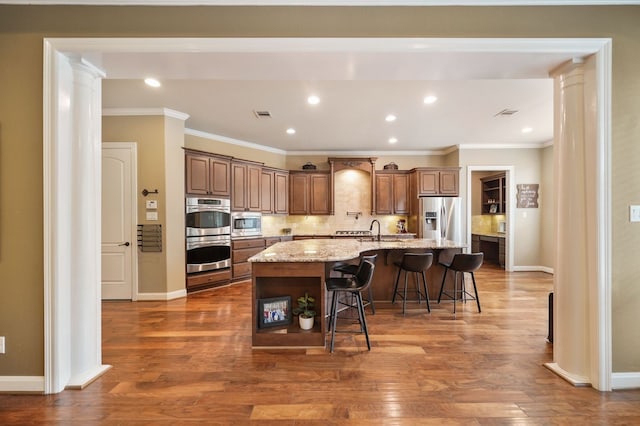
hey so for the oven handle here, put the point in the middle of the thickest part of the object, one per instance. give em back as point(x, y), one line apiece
point(225, 242)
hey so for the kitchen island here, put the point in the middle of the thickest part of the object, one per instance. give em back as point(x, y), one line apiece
point(294, 268)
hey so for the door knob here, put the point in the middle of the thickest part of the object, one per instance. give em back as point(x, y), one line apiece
point(127, 244)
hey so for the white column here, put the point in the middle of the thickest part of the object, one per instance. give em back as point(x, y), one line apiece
point(571, 349)
point(85, 191)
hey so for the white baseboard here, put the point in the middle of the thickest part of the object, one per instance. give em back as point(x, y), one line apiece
point(83, 380)
point(625, 381)
point(162, 296)
point(22, 384)
point(574, 379)
point(533, 268)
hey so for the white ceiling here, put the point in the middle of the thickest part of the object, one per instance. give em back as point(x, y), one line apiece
point(358, 87)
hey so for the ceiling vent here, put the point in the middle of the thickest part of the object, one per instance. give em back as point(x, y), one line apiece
point(262, 114)
point(506, 112)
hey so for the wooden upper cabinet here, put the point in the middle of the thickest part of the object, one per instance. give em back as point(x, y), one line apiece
point(298, 193)
point(309, 193)
point(449, 182)
point(320, 188)
point(392, 192)
point(428, 182)
point(245, 186)
point(281, 192)
point(275, 191)
point(207, 175)
point(434, 182)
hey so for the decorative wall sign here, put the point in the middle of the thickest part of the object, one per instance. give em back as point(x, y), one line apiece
point(527, 196)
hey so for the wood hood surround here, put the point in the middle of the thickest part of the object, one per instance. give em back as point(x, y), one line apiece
point(366, 164)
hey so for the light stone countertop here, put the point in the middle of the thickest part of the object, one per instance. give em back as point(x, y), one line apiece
point(333, 250)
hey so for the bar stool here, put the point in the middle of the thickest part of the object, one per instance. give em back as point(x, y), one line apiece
point(461, 263)
point(351, 285)
point(417, 263)
point(351, 269)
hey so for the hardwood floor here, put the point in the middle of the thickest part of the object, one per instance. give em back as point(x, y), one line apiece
point(190, 361)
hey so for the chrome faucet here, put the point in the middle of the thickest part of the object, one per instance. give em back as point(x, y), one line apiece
point(371, 227)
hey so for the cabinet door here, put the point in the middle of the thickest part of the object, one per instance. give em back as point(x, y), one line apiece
point(219, 177)
point(267, 197)
point(298, 193)
point(253, 190)
point(281, 193)
point(384, 194)
point(197, 169)
point(238, 187)
point(320, 194)
point(428, 182)
point(400, 193)
point(448, 182)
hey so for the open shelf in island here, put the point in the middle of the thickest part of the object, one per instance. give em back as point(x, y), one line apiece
point(278, 279)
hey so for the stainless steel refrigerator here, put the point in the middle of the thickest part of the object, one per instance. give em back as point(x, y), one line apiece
point(440, 218)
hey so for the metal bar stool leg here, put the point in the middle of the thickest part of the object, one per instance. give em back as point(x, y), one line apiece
point(426, 291)
point(373, 306)
point(363, 319)
point(455, 290)
point(475, 290)
point(334, 317)
point(404, 298)
point(395, 288)
point(444, 277)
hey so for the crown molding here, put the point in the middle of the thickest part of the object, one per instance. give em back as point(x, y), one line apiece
point(145, 111)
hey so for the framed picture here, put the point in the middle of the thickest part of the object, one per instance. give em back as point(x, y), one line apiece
point(274, 311)
point(493, 208)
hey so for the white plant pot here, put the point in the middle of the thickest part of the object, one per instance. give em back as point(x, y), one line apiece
point(305, 323)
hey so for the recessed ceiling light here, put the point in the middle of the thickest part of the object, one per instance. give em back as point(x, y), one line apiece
point(152, 82)
point(393, 140)
point(291, 131)
point(527, 130)
point(430, 99)
point(390, 118)
point(313, 100)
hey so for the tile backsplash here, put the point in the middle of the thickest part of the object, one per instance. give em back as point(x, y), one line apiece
point(352, 211)
point(486, 224)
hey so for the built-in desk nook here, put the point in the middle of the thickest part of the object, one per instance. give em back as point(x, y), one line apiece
point(295, 267)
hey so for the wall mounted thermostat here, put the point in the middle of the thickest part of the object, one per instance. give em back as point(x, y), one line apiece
point(152, 204)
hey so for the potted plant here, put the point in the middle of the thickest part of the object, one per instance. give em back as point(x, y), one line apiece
point(305, 311)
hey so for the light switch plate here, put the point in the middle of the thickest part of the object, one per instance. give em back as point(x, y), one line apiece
point(152, 204)
point(152, 215)
point(1, 344)
point(634, 213)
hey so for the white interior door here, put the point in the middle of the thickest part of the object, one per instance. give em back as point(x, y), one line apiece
point(119, 252)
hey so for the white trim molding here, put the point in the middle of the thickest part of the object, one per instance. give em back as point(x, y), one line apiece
point(22, 384)
point(533, 268)
point(625, 380)
point(177, 294)
point(574, 379)
point(124, 112)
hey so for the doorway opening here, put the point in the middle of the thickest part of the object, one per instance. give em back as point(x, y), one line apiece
point(56, 306)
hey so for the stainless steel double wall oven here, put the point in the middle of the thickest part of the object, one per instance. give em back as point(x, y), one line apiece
point(208, 232)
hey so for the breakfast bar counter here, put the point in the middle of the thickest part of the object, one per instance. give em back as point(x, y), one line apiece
point(293, 268)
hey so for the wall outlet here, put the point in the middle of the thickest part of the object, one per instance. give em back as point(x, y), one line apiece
point(1, 344)
point(634, 213)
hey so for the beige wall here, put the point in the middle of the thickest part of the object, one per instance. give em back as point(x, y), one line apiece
point(22, 29)
point(270, 159)
point(148, 132)
point(526, 223)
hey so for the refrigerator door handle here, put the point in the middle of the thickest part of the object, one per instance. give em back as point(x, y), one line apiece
point(443, 225)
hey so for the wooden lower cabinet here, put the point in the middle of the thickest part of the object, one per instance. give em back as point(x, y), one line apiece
point(205, 280)
point(294, 280)
point(241, 250)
